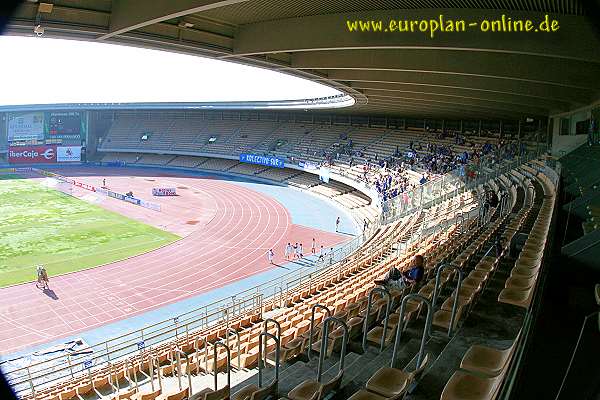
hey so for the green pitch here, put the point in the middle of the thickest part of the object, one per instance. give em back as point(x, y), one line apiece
point(39, 225)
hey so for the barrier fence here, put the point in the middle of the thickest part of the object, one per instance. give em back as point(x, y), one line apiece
point(457, 181)
point(29, 379)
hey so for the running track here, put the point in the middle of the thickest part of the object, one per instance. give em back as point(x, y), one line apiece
point(233, 228)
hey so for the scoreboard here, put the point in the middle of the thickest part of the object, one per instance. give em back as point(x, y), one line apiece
point(64, 123)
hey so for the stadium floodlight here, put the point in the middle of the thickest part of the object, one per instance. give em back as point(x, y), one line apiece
point(38, 30)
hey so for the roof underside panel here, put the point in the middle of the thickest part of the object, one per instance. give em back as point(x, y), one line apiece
point(267, 10)
point(469, 74)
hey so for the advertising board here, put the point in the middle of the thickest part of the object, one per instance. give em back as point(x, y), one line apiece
point(32, 154)
point(68, 154)
point(164, 192)
point(25, 126)
point(268, 161)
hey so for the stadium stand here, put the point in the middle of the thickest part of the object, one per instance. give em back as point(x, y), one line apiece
point(187, 161)
point(155, 159)
point(452, 233)
point(424, 131)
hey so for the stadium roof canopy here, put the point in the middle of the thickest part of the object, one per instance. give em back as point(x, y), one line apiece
point(470, 74)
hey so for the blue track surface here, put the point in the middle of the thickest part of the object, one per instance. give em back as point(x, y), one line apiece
point(305, 209)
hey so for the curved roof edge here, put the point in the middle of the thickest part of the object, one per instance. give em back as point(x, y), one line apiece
point(337, 101)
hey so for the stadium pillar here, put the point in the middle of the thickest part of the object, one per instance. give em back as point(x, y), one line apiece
point(479, 131)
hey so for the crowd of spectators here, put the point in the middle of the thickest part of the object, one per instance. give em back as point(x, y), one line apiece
point(439, 154)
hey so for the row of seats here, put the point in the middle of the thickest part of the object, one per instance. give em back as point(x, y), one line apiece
point(482, 368)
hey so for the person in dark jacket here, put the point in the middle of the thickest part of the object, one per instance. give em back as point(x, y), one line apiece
point(395, 279)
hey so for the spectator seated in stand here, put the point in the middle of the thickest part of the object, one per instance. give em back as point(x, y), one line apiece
point(395, 279)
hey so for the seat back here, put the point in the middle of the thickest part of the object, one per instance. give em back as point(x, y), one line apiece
point(84, 389)
point(151, 395)
point(263, 393)
point(126, 395)
point(101, 382)
point(183, 394)
point(69, 394)
point(221, 394)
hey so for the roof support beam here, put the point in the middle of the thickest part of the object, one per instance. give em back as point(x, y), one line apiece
point(453, 103)
point(458, 95)
point(509, 67)
point(128, 15)
point(530, 90)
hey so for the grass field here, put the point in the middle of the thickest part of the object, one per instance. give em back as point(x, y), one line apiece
point(39, 225)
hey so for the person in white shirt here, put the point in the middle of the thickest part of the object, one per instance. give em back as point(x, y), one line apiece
point(337, 224)
point(321, 254)
point(288, 251)
point(270, 255)
point(300, 251)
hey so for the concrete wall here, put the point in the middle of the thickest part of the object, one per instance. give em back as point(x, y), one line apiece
point(563, 144)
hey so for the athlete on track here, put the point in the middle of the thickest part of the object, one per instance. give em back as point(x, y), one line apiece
point(42, 278)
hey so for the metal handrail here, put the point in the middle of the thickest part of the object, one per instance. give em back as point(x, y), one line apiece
point(400, 328)
point(261, 360)
point(152, 360)
point(178, 354)
point(312, 325)
point(325, 333)
point(387, 296)
point(131, 362)
point(532, 198)
point(462, 220)
point(277, 325)
point(150, 368)
point(113, 373)
point(215, 345)
point(436, 290)
point(237, 336)
point(197, 348)
point(128, 346)
point(504, 203)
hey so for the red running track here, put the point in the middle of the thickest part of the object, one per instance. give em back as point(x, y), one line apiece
point(233, 228)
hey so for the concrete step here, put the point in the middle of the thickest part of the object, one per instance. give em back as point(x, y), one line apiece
point(304, 371)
